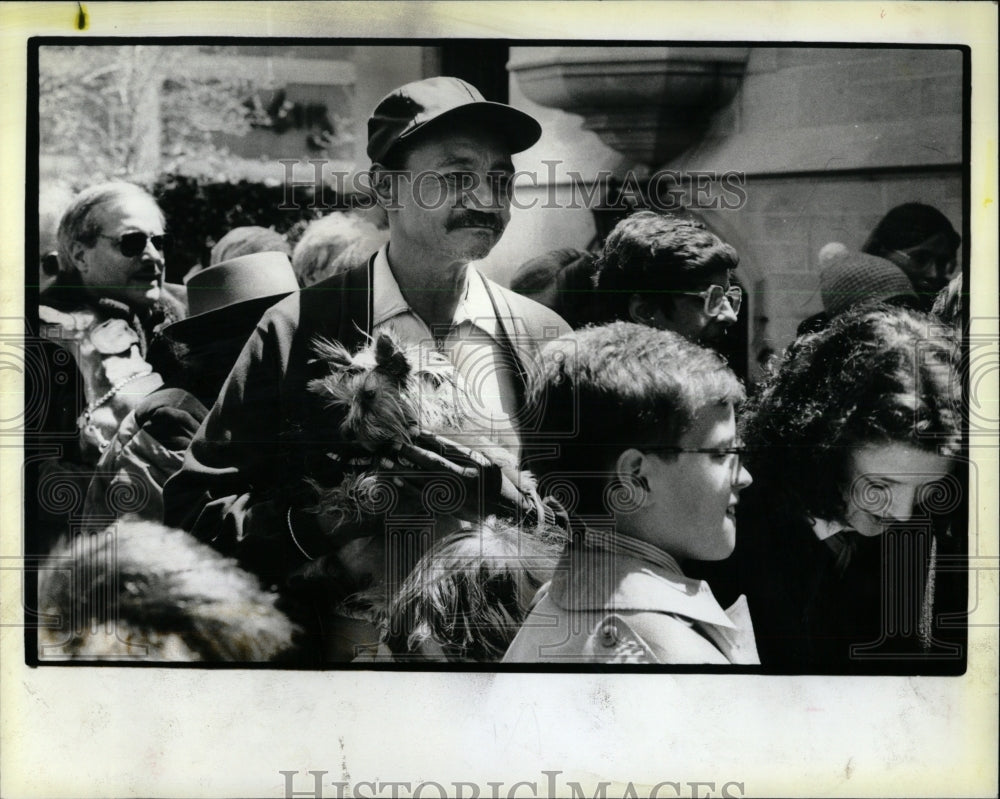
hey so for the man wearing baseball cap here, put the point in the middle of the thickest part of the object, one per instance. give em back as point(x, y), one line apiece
point(441, 168)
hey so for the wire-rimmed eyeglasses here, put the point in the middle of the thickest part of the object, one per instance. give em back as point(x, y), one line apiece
point(739, 450)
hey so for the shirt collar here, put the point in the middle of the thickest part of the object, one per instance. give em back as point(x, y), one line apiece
point(626, 545)
point(475, 307)
point(824, 528)
point(387, 299)
point(638, 577)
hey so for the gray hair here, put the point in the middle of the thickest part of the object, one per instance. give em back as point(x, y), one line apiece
point(78, 223)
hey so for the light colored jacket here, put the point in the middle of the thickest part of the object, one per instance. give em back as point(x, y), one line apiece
point(617, 600)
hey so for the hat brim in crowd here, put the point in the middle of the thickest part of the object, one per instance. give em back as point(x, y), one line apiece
point(227, 322)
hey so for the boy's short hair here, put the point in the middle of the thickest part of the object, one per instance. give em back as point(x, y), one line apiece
point(654, 254)
point(600, 390)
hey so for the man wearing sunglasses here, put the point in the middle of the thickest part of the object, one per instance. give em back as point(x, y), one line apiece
point(669, 273)
point(106, 303)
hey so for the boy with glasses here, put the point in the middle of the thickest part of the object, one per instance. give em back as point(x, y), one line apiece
point(648, 468)
point(669, 273)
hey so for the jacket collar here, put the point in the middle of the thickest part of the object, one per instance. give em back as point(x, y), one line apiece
point(610, 572)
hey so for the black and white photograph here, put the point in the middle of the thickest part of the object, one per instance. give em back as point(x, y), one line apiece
point(595, 412)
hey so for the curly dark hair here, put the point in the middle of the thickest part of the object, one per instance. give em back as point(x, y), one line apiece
point(876, 375)
point(655, 254)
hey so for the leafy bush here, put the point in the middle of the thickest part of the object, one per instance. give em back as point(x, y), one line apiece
point(200, 213)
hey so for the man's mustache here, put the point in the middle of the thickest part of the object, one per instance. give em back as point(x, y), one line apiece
point(470, 218)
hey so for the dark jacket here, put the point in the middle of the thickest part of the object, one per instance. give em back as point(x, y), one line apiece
point(846, 605)
point(247, 466)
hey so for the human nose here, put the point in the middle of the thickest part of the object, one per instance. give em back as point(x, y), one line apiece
point(151, 251)
point(902, 500)
point(742, 477)
point(726, 313)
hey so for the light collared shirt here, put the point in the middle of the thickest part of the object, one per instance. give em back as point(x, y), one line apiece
point(620, 600)
point(472, 344)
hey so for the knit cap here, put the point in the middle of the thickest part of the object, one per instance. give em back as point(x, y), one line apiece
point(853, 277)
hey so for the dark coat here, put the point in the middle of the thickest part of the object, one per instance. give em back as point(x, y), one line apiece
point(247, 466)
point(847, 605)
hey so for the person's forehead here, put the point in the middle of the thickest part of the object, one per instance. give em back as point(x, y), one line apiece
point(900, 462)
point(720, 277)
point(714, 426)
point(137, 213)
point(470, 148)
point(937, 246)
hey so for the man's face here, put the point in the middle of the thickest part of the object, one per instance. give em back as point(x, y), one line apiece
point(451, 202)
point(693, 495)
point(929, 265)
point(685, 314)
point(137, 280)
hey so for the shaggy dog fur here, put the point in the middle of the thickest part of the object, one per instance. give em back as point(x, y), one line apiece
point(466, 591)
point(142, 591)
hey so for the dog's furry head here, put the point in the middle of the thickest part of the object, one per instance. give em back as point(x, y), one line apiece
point(389, 392)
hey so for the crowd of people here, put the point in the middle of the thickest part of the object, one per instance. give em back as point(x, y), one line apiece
point(363, 449)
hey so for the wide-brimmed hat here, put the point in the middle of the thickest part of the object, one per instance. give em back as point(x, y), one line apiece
point(412, 108)
point(851, 278)
point(233, 289)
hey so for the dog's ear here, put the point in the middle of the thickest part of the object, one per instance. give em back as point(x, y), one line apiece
point(333, 353)
point(391, 359)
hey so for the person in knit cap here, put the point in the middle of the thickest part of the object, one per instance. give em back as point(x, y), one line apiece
point(854, 278)
point(848, 279)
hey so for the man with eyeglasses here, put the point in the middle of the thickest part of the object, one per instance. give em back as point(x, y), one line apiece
point(669, 273)
point(102, 310)
point(111, 254)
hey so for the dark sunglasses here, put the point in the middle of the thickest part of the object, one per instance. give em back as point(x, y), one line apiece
point(132, 244)
point(716, 296)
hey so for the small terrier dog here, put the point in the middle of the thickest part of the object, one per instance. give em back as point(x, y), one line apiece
point(399, 405)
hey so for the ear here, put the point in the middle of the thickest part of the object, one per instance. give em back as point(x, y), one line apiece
point(381, 184)
point(630, 465)
point(390, 359)
point(630, 472)
point(77, 252)
point(641, 310)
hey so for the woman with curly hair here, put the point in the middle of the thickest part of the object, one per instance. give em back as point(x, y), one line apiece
point(851, 445)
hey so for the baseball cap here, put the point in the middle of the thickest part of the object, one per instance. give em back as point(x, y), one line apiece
point(412, 108)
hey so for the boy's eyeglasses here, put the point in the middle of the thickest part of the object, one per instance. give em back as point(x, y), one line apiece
point(132, 244)
point(715, 296)
point(739, 451)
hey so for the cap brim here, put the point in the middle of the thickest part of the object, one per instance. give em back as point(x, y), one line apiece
point(222, 321)
point(520, 130)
